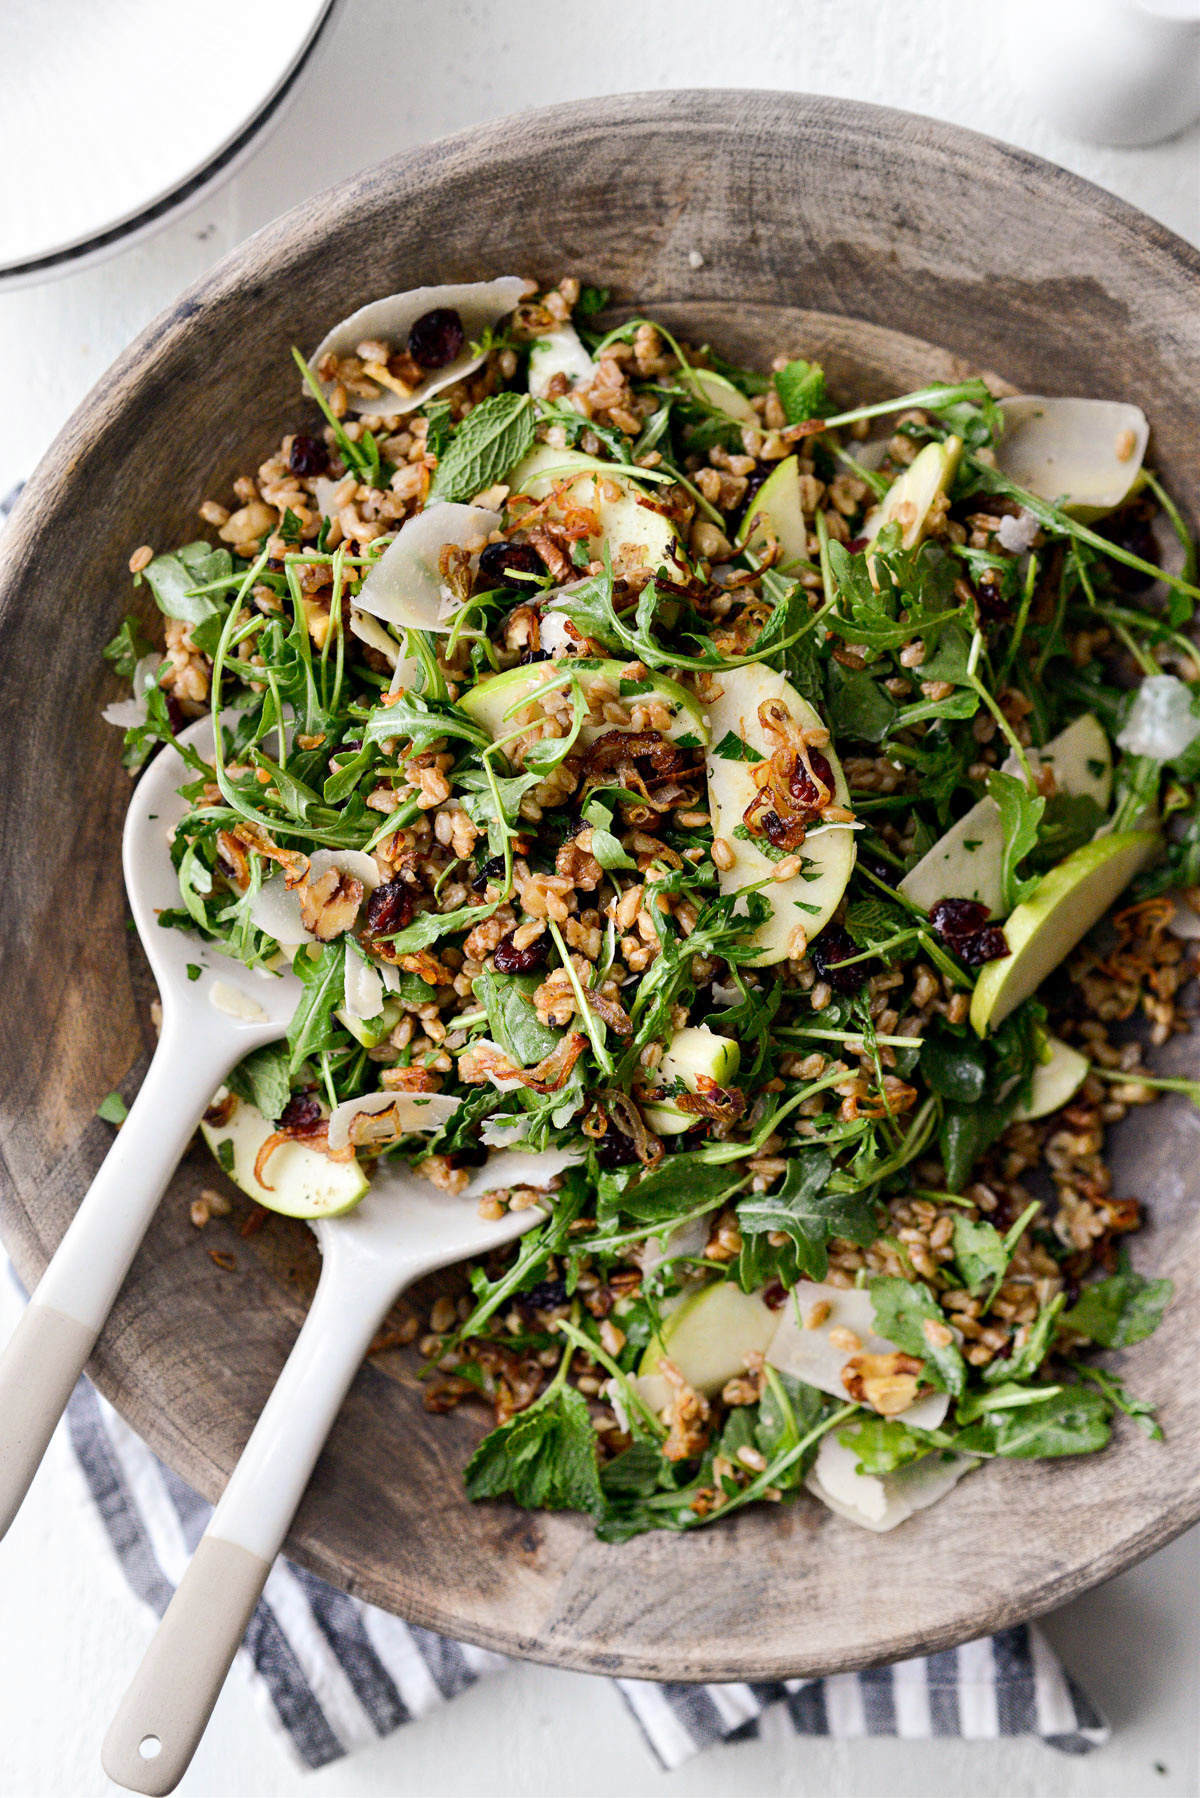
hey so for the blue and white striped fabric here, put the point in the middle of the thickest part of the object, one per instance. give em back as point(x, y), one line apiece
point(334, 1674)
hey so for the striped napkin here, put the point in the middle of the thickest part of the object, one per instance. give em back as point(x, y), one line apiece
point(333, 1674)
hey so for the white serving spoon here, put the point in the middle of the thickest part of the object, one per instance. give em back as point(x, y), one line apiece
point(403, 1229)
point(208, 1024)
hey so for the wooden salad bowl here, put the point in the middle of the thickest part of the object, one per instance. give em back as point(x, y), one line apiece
point(861, 237)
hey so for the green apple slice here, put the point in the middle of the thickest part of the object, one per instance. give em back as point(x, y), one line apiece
point(495, 702)
point(776, 508)
point(694, 1051)
point(810, 897)
point(1055, 1081)
point(910, 497)
point(721, 395)
point(708, 1337)
point(1043, 930)
point(1086, 454)
point(966, 862)
point(304, 1183)
point(640, 538)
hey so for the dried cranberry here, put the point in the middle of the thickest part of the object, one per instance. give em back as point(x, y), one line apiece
point(615, 1149)
point(774, 1295)
point(511, 960)
point(986, 945)
point(955, 918)
point(436, 338)
point(176, 716)
point(390, 907)
point(493, 866)
point(301, 1116)
point(989, 593)
point(1130, 529)
point(963, 926)
point(802, 787)
point(833, 945)
point(500, 562)
point(544, 1296)
point(308, 455)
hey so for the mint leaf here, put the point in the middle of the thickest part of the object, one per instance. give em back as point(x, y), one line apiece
point(112, 1109)
point(801, 390)
point(262, 1079)
point(858, 706)
point(544, 1458)
point(489, 442)
point(902, 1309)
point(1121, 1310)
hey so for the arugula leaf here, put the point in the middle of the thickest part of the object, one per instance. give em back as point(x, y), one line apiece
point(544, 1457)
point(171, 578)
point(1020, 815)
point(801, 390)
point(965, 1132)
point(430, 926)
point(1117, 1393)
point(508, 1001)
point(1025, 1362)
point(955, 1067)
point(732, 749)
point(787, 1411)
point(979, 1251)
point(1118, 1311)
point(883, 1444)
point(423, 722)
point(605, 846)
point(592, 300)
point(323, 973)
point(808, 1212)
point(487, 444)
point(112, 1109)
point(679, 1183)
point(127, 648)
point(440, 428)
point(858, 706)
point(261, 1078)
point(1069, 821)
point(902, 1310)
point(1073, 1421)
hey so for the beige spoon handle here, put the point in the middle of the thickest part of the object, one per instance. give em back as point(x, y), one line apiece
point(45, 1355)
point(166, 1709)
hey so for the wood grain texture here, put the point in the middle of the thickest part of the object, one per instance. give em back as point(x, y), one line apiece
point(847, 232)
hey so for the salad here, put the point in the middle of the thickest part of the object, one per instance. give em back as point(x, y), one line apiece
point(757, 828)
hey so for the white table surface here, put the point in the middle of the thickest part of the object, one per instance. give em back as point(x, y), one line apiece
point(70, 1633)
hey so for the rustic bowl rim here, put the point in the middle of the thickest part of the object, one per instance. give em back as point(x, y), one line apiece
point(266, 251)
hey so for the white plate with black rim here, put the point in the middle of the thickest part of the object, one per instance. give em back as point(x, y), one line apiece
point(124, 113)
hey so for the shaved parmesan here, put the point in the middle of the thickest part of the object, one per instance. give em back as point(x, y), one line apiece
point(128, 713)
point(507, 1168)
point(880, 1501)
point(559, 353)
point(685, 1239)
point(368, 630)
point(479, 304)
point(363, 987)
point(809, 1355)
point(414, 1112)
point(405, 586)
point(234, 1003)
